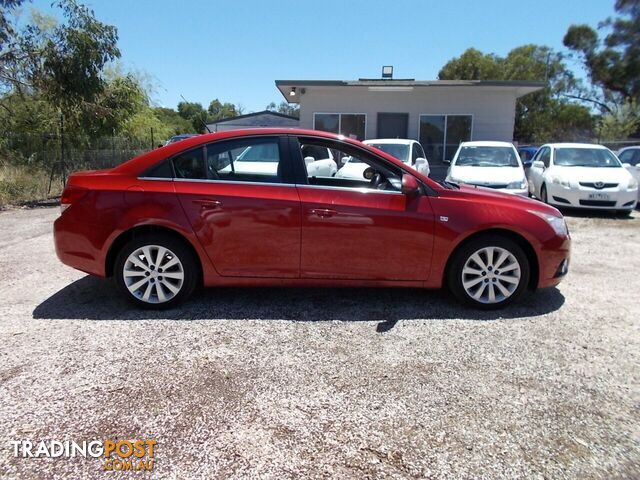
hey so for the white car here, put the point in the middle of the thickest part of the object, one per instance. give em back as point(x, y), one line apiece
point(582, 175)
point(408, 151)
point(494, 165)
point(630, 158)
point(263, 160)
point(319, 161)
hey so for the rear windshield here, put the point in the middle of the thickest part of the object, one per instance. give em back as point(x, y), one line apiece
point(585, 157)
point(487, 157)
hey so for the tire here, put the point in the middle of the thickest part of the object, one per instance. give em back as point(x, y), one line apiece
point(466, 276)
point(543, 194)
point(159, 291)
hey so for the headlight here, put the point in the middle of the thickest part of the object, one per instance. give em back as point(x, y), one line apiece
point(519, 185)
point(557, 223)
point(633, 184)
point(560, 181)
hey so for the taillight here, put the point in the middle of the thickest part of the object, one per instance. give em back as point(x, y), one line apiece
point(70, 195)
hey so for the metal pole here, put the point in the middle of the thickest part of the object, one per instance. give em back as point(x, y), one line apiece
point(62, 164)
point(153, 144)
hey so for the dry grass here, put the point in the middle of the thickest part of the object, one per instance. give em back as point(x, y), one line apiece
point(20, 184)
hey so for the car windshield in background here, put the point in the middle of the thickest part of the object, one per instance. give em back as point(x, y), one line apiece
point(266, 152)
point(401, 152)
point(487, 157)
point(585, 157)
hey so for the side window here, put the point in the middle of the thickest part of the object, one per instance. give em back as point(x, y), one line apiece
point(414, 153)
point(161, 170)
point(246, 160)
point(349, 167)
point(420, 151)
point(545, 156)
point(190, 164)
point(636, 158)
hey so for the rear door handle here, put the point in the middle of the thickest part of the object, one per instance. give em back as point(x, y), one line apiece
point(206, 204)
point(323, 212)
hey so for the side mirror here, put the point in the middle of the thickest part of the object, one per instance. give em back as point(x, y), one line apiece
point(626, 165)
point(527, 164)
point(538, 164)
point(410, 186)
point(309, 160)
point(421, 164)
point(344, 160)
point(446, 161)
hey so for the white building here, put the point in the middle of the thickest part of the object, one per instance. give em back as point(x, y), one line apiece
point(440, 114)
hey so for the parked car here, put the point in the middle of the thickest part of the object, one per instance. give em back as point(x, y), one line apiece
point(582, 175)
point(526, 153)
point(630, 158)
point(408, 151)
point(494, 165)
point(319, 161)
point(184, 215)
point(177, 138)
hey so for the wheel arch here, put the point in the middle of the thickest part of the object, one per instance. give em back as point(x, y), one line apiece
point(520, 240)
point(122, 239)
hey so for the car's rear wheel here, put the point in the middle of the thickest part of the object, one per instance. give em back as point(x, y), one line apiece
point(156, 271)
point(489, 272)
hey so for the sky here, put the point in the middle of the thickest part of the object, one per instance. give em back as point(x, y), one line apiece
point(234, 50)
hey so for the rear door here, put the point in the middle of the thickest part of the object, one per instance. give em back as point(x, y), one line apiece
point(355, 229)
point(536, 173)
point(243, 206)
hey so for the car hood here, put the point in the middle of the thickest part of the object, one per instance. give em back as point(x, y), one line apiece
point(482, 194)
point(486, 175)
point(591, 174)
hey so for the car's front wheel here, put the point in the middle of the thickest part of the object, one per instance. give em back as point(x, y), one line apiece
point(489, 272)
point(156, 271)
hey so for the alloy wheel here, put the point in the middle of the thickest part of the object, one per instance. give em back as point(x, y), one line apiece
point(491, 275)
point(153, 274)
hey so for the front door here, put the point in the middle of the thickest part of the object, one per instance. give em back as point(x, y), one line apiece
point(393, 125)
point(358, 228)
point(242, 205)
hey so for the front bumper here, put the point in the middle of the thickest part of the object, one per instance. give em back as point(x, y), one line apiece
point(586, 197)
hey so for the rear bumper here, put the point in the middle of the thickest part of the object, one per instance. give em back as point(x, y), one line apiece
point(79, 245)
point(611, 199)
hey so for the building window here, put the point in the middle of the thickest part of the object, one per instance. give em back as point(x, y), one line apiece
point(351, 125)
point(440, 135)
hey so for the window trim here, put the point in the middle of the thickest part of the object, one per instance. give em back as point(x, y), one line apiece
point(340, 122)
point(444, 139)
point(285, 158)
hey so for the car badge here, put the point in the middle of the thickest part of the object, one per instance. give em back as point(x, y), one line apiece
point(598, 184)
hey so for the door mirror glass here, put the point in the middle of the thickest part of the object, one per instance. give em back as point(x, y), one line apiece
point(410, 186)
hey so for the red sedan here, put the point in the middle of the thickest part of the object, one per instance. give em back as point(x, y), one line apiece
point(252, 207)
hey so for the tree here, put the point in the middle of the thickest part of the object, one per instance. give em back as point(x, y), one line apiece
point(613, 62)
point(219, 111)
point(621, 123)
point(195, 113)
point(541, 116)
point(285, 108)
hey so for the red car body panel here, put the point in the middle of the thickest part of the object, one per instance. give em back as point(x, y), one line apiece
point(277, 234)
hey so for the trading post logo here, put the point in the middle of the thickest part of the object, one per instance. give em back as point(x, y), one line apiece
point(119, 455)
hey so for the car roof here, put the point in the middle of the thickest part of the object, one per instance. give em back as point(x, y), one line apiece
point(575, 145)
point(395, 141)
point(486, 143)
point(632, 147)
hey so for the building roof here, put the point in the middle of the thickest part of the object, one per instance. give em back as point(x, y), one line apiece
point(520, 87)
point(243, 119)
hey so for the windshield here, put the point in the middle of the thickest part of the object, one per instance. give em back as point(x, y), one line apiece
point(585, 157)
point(487, 157)
point(401, 152)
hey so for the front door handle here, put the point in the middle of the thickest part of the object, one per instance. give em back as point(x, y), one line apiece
point(206, 204)
point(323, 212)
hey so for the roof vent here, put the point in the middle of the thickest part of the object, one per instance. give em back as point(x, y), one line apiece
point(387, 72)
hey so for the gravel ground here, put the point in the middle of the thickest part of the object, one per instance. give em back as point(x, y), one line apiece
point(325, 383)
